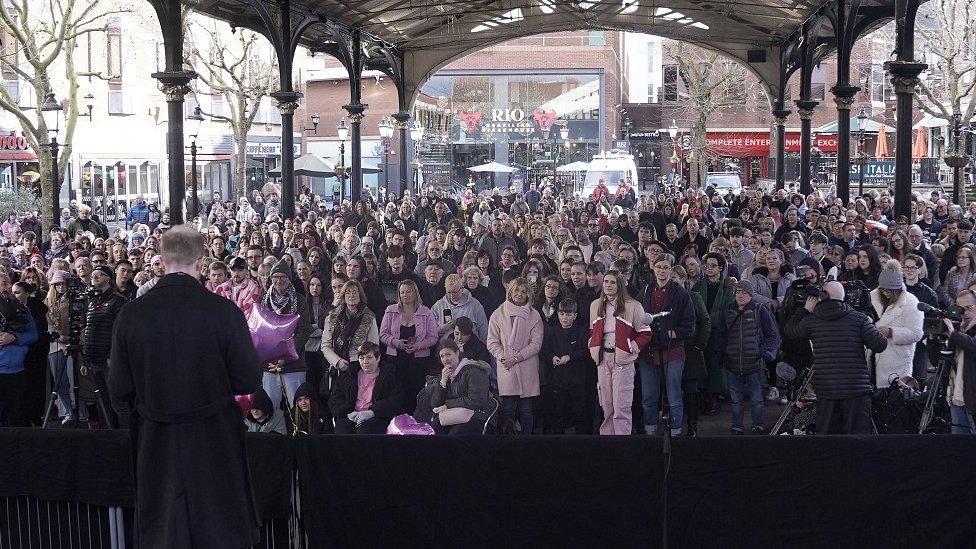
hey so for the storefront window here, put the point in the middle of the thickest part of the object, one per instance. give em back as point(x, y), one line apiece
point(133, 181)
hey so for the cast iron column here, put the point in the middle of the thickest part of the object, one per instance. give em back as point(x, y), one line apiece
point(287, 103)
point(355, 111)
point(844, 98)
point(175, 86)
point(780, 115)
point(402, 118)
point(805, 109)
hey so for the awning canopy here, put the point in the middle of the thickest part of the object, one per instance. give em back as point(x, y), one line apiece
point(310, 165)
point(870, 127)
point(578, 166)
point(493, 167)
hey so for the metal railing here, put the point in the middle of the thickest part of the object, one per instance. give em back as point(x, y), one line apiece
point(27, 523)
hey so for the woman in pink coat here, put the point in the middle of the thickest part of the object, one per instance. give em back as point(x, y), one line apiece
point(617, 334)
point(514, 338)
point(409, 331)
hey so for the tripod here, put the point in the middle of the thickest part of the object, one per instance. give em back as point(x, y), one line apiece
point(791, 409)
point(928, 414)
point(73, 354)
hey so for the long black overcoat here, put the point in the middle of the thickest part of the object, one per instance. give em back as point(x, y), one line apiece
point(179, 355)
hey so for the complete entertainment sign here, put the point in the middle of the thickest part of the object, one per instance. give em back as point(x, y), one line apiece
point(874, 171)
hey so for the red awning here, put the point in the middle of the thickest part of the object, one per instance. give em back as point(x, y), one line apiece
point(9, 156)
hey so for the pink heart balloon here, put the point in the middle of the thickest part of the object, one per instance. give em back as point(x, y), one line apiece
point(405, 424)
point(273, 334)
point(244, 402)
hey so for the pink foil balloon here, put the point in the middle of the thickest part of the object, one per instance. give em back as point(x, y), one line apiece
point(405, 424)
point(244, 402)
point(272, 334)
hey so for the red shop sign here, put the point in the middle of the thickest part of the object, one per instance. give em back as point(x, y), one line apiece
point(13, 143)
point(758, 144)
point(825, 142)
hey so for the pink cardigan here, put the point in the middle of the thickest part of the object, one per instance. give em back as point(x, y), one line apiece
point(423, 320)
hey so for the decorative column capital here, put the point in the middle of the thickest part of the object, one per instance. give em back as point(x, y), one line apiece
point(844, 103)
point(844, 96)
point(805, 114)
point(174, 85)
point(904, 75)
point(355, 111)
point(286, 101)
point(904, 84)
point(401, 118)
point(804, 107)
point(780, 116)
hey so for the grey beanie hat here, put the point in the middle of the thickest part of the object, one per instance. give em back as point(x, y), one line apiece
point(745, 286)
point(281, 267)
point(891, 277)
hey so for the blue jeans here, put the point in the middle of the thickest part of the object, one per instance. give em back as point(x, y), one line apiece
point(517, 408)
point(738, 386)
point(272, 385)
point(650, 377)
point(960, 419)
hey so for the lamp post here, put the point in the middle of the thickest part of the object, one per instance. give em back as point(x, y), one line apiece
point(416, 134)
point(343, 132)
point(315, 124)
point(195, 120)
point(51, 112)
point(862, 125)
point(386, 134)
point(673, 133)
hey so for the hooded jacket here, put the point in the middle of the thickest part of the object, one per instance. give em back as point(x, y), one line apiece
point(273, 421)
point(839, 335)
point(307, 423)
point(905, 321)
point(468, 389)
point(467, 306)
point(746, 338)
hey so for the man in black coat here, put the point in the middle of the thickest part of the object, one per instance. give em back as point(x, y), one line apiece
point(841, 375)
point(179, 355)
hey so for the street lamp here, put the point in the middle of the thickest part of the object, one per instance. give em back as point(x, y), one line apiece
point(673, 133)
point(862, 125)
point(195, 120)
point(315, 124)
point(343, 132)
point(52, 112)
point(89, 99)
point(416, 134)
point(386, 134)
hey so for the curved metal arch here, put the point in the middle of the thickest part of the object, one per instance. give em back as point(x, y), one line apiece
point(415, 77)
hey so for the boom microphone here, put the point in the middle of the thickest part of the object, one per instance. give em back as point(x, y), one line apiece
point(650, 318)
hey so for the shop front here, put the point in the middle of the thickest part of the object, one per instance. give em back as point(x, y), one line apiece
point(749, 152)
point(18, 162)
point(532, 121)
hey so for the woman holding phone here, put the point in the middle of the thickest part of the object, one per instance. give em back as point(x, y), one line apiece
point(409, 331)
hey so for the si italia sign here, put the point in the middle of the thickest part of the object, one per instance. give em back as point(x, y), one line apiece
point(874, 171)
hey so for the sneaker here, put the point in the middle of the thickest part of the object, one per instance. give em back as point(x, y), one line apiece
point(758, 430)
point(783, 400)
point(772, 395)
point(650, 429)
point(736, 431)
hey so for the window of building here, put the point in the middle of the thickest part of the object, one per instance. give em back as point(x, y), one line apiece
point(818, 86)
point(217, 104)
point(113, 47)
point(116, 99)
point(670, 88)
point(596, 38)
point(878, 84)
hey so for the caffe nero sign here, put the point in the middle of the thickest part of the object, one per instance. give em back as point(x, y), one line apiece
point(874, 171)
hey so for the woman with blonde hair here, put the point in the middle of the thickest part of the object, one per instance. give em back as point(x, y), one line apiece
point(617, 334)
point(409, 332)
point(515, 338)
point(62, 372)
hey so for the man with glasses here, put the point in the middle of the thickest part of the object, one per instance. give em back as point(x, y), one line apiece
point(963, 235)
point(254, 257)
point(961, 392)
point(916, 239)
point(435, 255)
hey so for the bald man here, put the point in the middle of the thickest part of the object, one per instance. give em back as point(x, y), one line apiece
point(841, 376)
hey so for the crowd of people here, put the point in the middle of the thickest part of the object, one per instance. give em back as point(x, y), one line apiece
point(614, 313)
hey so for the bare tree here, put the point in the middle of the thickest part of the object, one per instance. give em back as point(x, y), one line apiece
point(712, 84)
point(947, 37)
point(241, 69)
point(38, 47)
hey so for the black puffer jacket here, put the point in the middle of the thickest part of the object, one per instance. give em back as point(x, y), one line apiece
point(97, 338)
point(839, 335)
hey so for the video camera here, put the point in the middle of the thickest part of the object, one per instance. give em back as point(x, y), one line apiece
point(856, 294)
point(806, 289)
point(78, 295)
point(933, 325)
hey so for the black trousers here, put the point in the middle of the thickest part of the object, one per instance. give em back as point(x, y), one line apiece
point(565, 406)
point(12, 400)
point(474, 426)
point(375, 426)
point(849, 416)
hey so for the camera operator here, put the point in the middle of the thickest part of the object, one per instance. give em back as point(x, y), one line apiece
point(104, 304)
point(797, 352)
point(841, 376)
point(961, 390)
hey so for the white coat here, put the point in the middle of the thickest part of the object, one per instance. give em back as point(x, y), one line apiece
point(905, 321)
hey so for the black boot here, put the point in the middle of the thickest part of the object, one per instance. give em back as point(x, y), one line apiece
point(690, 399)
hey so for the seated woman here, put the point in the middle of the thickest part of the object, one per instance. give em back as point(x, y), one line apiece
point(305, 415)
point(460, 400)
point(367, 395)
point(262, 417)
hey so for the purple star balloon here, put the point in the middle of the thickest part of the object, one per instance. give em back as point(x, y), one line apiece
point(273, 334)
point(405, 424)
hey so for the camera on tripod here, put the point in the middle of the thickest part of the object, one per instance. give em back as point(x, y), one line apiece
point(806, 289)
point(856, 294)
point(78, 295)
point(933, 325)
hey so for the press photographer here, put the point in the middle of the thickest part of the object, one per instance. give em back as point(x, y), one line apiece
point(104, 304)
point(797, 352)
point(841, 375)
point(961, 391)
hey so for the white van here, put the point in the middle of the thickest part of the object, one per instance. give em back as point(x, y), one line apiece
point(724, 182)
point(611, 167)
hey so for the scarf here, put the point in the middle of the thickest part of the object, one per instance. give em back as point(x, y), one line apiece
point(283, 304)
point(519, 314)
point(344, 325)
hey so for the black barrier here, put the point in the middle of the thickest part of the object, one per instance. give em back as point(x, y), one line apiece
point(372, 491)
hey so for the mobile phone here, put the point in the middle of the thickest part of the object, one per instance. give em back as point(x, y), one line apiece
point(447, 315)
point(532, 279)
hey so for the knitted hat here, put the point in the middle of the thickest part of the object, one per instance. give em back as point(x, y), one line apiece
point(891, 277)
point(237, 263)
point(745, 286)
point(811, 263)
point(60, 277)
point(105, 270)
point(282, 268)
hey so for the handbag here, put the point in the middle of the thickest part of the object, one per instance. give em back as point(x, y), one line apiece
point(455, 416)
point(314, 342)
